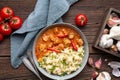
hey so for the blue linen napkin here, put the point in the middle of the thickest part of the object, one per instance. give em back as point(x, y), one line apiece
point(46, 12)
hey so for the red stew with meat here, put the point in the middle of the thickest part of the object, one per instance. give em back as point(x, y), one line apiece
point(56, 39)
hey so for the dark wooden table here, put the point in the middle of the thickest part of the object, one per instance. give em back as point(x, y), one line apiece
point(95, 11)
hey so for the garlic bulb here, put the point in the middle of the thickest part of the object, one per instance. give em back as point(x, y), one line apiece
point(115, 32)
point(105, 42)
point(104, 76)
point(118, 45)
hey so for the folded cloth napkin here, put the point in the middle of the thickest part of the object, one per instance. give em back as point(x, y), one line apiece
point(46, 12)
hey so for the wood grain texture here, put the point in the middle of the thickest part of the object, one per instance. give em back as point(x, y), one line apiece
point(95, 11)
point(22, 73)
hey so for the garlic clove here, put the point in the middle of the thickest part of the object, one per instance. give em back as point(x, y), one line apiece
point(98, 63)
point(116, 72)
point(114, 64)
point(114, 48)
point(105, 31)
point(90, 62)
point(94, 74)
point(104, 76)
point(118, 45)
point(107, 76)
point(100, 78)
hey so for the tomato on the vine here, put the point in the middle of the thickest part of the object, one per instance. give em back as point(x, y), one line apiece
point(15, 22)
point(5, 29)
point(8, 22)
point(81, 20)
point(6, 12)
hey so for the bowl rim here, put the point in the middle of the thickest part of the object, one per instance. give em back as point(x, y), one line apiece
point(84, 61)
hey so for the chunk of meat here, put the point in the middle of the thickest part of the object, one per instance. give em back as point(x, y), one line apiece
point(57, 41)
point(42, 47)
point(62, 33)
point(65, 31)
point(45, 37)
point(50, 44)
point(60, 46)
point(79, 42)
point(52, 37)
point(71, 35)
point(56, 30)
point(66, 41)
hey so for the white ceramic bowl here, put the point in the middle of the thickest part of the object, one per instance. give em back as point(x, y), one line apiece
point(84, 61)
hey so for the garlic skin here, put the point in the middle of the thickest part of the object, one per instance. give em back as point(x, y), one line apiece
point(116, 72)
point(113, 20)
point(115, 65)
point(115, 32)
point(118, 45)
point(104, 76)
point(105, 42)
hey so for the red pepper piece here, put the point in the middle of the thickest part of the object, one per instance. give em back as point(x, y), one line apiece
point(74, 45)
point(53, 49)
point(62, 35)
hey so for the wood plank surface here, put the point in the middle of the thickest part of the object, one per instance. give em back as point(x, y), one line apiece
point(95, 11)
point(22, 73)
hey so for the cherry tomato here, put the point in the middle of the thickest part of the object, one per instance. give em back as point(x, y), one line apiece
point(6, 12)
point(1, 37)
point(5, 29)
point(15, 22)
point(81, 20)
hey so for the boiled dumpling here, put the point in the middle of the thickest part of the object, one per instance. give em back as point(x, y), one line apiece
point(105, 42)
